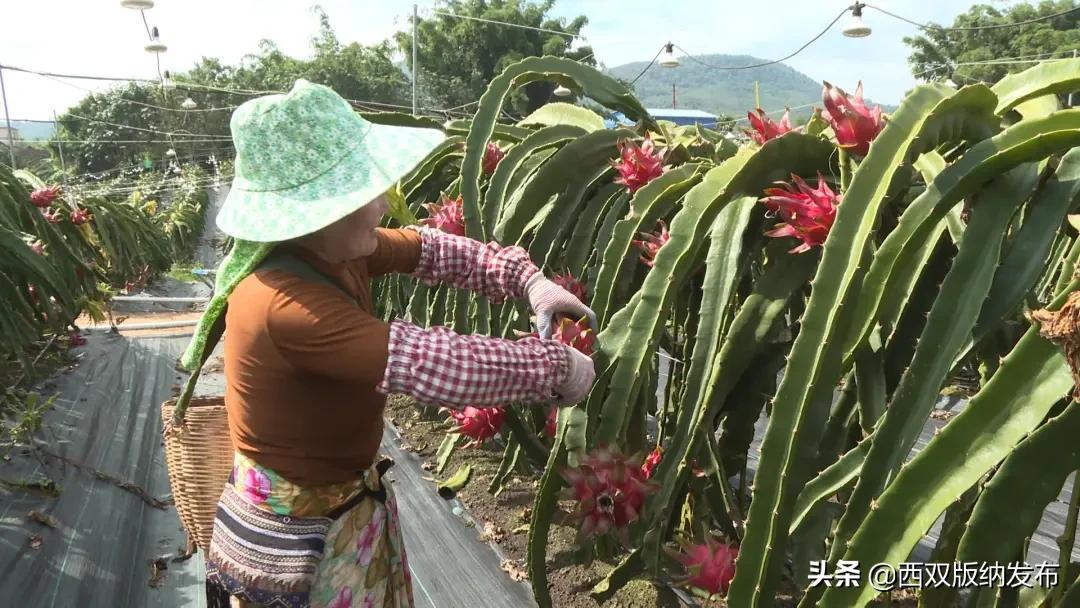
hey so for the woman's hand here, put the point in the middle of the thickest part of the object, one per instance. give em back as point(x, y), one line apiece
point(548, 299)
point(580, 375)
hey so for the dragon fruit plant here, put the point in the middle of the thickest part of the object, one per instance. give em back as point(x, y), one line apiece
point(43, 197)
point(891, 273)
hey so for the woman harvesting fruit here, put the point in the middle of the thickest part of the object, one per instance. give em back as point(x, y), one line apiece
point(308, 365)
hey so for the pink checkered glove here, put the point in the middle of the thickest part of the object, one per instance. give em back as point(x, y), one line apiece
point(548, 299)
point(580, 375)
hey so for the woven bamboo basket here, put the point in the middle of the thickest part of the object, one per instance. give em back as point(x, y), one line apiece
point(200, 457)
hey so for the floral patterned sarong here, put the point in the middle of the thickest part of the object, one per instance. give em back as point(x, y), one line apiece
point(364, 564)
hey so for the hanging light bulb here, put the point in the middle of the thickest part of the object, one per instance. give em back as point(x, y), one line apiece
point(170, 153)
point(667, 58)
point(855, 27)
point(139, 5)
point(561, 91)
point(167, 82)
point(155, 45)
point(189, 104)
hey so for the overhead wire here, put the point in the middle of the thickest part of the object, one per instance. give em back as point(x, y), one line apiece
point(507, 23)
point(931, 26)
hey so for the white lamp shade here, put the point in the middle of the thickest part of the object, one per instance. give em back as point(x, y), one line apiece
point(155, 46)
point(855, 28)
point(668, 60)
point(139, 5)
point(561, 91)
point(189, 104)
point(170, 152)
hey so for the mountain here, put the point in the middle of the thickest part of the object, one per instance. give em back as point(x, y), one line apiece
point(730, 92)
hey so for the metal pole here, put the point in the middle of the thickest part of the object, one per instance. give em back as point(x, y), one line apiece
point(1070, 93)
point(673, 96)
point(414, 19)
point(7, 119)
point(60, 148)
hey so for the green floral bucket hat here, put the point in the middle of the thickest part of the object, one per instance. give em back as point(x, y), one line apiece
point(305, 159)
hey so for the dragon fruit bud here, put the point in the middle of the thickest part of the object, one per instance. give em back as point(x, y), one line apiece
point(651, 243)
point(572, 284)
point(38, 247)
point(492, 155)
point(478, 423)
point(764, 128)
point(576, 334)
point(710, 566)
point(80, 217)
point(651, 461)
point(43, 197)
point(637, 165)
point(609, 489)
point(807, 213)
point(52, 216)
point(447, 215)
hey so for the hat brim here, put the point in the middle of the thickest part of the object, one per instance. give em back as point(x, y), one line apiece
point(386, 154)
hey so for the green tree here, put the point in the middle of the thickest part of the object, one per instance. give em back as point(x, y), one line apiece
point(355, 71)
point(459, 57)
point(938, 54)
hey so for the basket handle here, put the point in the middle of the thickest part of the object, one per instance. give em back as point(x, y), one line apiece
point(213, 337)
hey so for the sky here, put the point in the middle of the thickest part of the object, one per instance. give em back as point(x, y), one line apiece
point(99, 37)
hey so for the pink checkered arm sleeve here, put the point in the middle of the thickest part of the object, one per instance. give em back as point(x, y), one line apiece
point(490, 269)
point(439, 367)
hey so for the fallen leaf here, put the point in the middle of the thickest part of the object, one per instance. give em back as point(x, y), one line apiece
point(515, 571)
point(520, 529)
point(158, 566)
point(43, 518)
point(35, 541)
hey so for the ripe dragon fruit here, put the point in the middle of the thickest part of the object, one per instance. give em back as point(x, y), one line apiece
point(576, 334)
point(610, 491)
point(638, 165)
point(710, 566)
point(80, 217)
point(53, 216)
point(854, 124)
point(478, 423)
point(807, 213)
point(76, 339)
point(447, 215)
point(764, 128)
point(651, 461)
point(572, 284)
point(43, 197)
point(492, 155)
point(651, 243)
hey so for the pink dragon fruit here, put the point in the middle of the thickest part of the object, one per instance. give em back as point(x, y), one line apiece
point(478, 423)
point(577, 334)
point(43, 197)
point(807, 213)
point(854, 124)
point(76, 339)
point(609, 489)
point(572, 284)
point(38, 247)
point(447, 215)
point(651, 461)
point(638, 165)
point(651, 243)
point(764, 128)
point(492, 155)
point(710, 566)
point(80, 217)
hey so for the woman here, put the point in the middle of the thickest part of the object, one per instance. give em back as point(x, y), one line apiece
point(308, 366)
